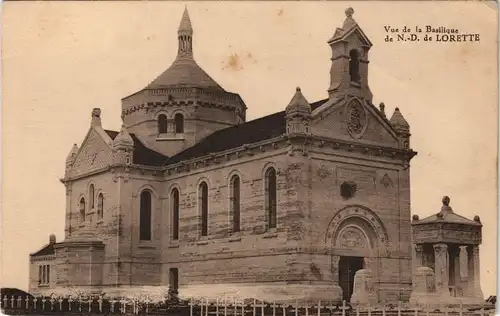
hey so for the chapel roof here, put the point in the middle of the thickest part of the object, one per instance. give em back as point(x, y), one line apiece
point(446, 215)
point(260, 129)
point(45, 251)
point(142, 155)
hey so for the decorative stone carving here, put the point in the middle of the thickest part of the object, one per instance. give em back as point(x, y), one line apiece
point(355, 118)
point(363, 291)
point(352, 237)
point(386, 181)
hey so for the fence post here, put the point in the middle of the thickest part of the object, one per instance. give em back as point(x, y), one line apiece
point(427, 313)
point(70, 300)
point(383, 310)
point(206, 307)
point(357, 310)
point(446, 310)
point(262, 308)
point(217, 306)
point(296, 308)
point(399, 308)
point(225, 305)
point(43, 303)
point(235, 307)
point(90, 303)
point(274, 308)
point(254, 303)
point(319, 308)
point(460, 311)
point(369, 310)
point(27, 303)
point(307, 309)
point(284, 309)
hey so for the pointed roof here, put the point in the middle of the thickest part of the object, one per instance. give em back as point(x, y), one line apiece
point(298, 104)
point(446, 215)
point(350, 26)
point(397, 120)
point(123, 139)
point(184, 71)
point(185, 25)
point(72, 153)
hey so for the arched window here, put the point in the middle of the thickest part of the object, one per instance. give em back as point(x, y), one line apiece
point(354, 65)
point(100, 206)
point(91, 196)
point(203, 204)
point(145, 216)
point(235, 203)
point(162, 124)
point(82, 210)
point(271, 198)
point(179, 123)
point(175, 214)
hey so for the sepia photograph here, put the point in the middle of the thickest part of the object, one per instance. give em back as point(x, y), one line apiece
point(249, 158)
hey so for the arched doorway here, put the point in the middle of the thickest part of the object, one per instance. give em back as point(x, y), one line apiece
point(357, 238)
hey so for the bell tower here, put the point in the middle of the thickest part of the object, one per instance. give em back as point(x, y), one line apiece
point(349, 71)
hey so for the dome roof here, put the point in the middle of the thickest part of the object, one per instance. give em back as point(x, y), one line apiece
point(184, 72)
point(85, 234)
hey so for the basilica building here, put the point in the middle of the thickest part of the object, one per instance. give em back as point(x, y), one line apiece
point(189, 194)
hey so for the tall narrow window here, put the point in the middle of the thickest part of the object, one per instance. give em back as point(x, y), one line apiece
point(43, 274)
point(175, 214)
point(145, 216)
point(235, 203)
point(179, 123)
point(48, 274)
point(40, 275)
point(100, 206)
point(271, 197)
point(162, 124)
point(91, 196)
point(174, 278)
point(203, 204)
point(82, 210)
point(354, 65)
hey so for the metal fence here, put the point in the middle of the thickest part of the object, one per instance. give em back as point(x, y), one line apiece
point(18, 305)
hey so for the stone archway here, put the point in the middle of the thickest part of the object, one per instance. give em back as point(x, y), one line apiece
point(357, 239)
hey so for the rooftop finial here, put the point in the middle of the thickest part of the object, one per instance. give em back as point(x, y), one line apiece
point(349, 12)
point(446, 201)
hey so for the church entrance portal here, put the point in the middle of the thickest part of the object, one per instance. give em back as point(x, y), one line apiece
point(347, 269)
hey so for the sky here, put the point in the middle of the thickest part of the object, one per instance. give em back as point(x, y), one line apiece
point(61, 59)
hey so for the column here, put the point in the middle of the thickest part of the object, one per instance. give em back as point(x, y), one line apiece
point(441, 269)
point(477, 274)
point(464, 273)
point(419, 255)
point(335, 269)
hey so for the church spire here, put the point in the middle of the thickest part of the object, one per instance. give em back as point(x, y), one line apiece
point(185, 36)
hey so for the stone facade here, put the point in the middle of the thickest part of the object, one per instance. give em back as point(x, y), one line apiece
point(323, 191)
